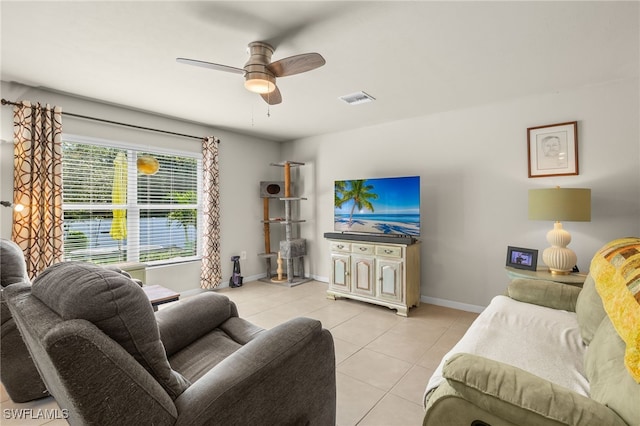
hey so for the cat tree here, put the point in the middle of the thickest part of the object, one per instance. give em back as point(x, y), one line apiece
point(291, 250)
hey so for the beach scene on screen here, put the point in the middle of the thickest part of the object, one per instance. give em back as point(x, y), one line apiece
point(380, 206)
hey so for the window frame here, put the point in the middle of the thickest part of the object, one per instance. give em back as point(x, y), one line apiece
point(133, 207)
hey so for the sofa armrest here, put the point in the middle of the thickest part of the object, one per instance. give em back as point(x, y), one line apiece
point(241, 330)
point(285, 374)
point(191, 318)
point(444, 406)
point(521, 397)
point(544, 293)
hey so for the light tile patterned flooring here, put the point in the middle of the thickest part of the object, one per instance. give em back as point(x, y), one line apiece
point(383, 361)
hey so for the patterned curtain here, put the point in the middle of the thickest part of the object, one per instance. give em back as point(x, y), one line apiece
point(37, 182)
point(211, 272)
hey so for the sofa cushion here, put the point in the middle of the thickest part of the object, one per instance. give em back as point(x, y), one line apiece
point(589, 310)
point(610, 382)
point(544, 293)
point(117, 306)
point(195, 360)
point(616, 271)
point(204, 313)
point(524, 335)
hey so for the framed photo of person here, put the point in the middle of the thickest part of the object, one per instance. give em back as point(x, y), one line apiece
point(553, 150)
point(522, 258)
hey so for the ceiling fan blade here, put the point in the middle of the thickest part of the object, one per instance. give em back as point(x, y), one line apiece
point(296, 64)
point(210, 65)
point(273, 98)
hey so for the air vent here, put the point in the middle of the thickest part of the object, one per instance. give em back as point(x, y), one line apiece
point(357, 98)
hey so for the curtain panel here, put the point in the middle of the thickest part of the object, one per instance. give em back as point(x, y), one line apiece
point(211, 271)
point(38, 184)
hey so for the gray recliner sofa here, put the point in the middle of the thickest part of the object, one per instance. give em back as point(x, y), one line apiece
point(108, 359)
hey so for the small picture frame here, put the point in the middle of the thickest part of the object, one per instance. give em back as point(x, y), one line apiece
point(522, 258)
point(553, 150)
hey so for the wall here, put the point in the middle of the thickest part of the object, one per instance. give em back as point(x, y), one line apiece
point(244, 162)
point(472, 162)
point(473, 168)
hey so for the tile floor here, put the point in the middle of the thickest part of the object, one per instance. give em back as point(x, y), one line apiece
point(383, 361)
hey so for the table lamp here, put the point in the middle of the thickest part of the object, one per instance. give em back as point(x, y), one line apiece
point(560, 204)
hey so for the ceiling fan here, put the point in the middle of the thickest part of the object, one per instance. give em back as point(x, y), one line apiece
point(260, 73)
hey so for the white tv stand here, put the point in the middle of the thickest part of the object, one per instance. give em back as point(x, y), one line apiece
point(383, 273)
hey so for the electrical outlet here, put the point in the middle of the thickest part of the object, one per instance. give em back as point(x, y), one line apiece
point(243, 255)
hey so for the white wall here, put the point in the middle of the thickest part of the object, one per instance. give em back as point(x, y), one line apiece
point(473, 168)
point(472, 162)
point(244, 162)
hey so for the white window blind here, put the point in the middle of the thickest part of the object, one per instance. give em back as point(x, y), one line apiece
point(136, 217)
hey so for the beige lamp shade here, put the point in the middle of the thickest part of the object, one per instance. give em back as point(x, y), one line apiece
point(560, 204)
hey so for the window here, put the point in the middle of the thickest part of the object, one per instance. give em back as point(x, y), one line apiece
point(112, 213)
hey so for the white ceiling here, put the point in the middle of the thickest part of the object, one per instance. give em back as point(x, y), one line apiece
point(416, 58)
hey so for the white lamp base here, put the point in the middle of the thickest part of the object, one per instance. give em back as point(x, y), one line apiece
point(558, 257)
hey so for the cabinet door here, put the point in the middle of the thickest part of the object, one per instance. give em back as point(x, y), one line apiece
point(389, 277)
point(339, 272)
point(362, 275)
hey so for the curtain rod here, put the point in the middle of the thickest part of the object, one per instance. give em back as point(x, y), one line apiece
point(6, 102)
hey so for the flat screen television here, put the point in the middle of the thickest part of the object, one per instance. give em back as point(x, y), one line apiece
point(378, 206)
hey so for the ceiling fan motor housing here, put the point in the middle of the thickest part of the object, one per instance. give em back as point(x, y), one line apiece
point(258, 77)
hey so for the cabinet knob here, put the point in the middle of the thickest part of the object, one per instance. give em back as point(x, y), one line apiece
point(340, 246)
point(363, 249)
point(387, 251)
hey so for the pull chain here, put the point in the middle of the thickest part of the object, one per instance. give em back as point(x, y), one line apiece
point(268, 104)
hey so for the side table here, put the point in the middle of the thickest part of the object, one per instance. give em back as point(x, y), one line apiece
point(574, 278)
point(158, 295)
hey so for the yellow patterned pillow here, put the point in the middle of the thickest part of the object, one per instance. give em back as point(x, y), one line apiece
point(616, 270)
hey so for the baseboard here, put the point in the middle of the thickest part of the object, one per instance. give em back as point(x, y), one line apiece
point(250, 278)
point(319, 278)
point(431, 300)
point(426, 299)
point(452, 304)
point(225, 283)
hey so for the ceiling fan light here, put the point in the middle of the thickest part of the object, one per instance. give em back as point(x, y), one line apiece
point(260, 83)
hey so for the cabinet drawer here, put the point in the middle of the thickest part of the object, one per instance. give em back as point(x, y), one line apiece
point(340, 247)
point(389, 251)
point(363, 249)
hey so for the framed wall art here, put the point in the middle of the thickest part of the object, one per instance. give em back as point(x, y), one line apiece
point(522, 258)
point(553, 150)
